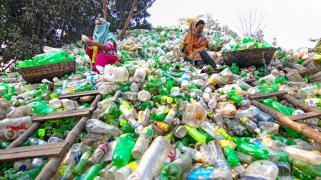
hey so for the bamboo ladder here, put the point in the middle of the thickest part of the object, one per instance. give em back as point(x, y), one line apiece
point(290, 121)
point(55, 152)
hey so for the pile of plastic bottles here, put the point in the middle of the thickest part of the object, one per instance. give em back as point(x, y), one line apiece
point(161, 118)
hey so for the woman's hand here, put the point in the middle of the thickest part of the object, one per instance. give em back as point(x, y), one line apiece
point(90, 43)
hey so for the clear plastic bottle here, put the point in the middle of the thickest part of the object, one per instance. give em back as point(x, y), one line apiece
point(144, 96)
point(15, 122)
point(185, 79)
point(194, 115)
point(196, 155)
point(179, 132)
point(109, 173)
point(97, 126)
point(240, 114)
point(68, 104)
point(124, 172)
point(261, 169)
point(245, 158)
point(134, 87)
point(20, 111)
point(55, 103)
point(207, 127)
point(142, 143)
point(36, 162)
point(170, 115)
point(53, 140)
point(250, 125)
point(98, 154)
point(140, 74)
point(218, 156)
point(132, 96)
point(152, 160)
point(302, 155)
point(260, 115)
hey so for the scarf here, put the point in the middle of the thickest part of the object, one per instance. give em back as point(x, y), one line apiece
point(102, 35)
point(194, 43)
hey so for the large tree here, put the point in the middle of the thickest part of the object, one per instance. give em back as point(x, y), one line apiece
point(28, 25)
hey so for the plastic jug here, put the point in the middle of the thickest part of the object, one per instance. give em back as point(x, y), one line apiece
point(194, 115)
point(116, 74)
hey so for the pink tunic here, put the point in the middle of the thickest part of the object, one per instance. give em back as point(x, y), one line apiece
point(102, 59)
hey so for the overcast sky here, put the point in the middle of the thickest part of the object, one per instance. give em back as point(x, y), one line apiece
point(292, 22)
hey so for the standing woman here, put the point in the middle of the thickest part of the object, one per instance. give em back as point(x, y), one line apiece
point(194, 43)
point(101, 48)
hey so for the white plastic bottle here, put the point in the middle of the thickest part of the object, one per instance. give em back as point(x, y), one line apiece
point(144, 96)
point(116, 74)
point(140, 75)
point(194, 115)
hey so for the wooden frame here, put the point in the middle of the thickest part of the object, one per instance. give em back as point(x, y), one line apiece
point(56, 152)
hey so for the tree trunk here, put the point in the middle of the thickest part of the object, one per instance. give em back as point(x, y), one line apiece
point(131, 13)
point(105, 9)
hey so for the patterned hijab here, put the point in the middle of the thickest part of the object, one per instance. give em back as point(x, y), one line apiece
point(195, 43)
point(102, 34)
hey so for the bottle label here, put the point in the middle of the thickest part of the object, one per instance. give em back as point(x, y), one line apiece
point(212, 81)
point(200, 173)
point(228, 143)
point(133, 165)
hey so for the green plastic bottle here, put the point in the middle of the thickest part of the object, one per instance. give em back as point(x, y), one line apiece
point(174, 170)
point(31, 174)
point(52, 58)
point(42, 108)
point(282, 109)
point(195, 134)
point(300, 174)
point(283, 139)
point(312, 170)
point(256, 151)
point(122, 152)
point(94, 171)
point(158, 117)
point(231, 157)
point(81, 166)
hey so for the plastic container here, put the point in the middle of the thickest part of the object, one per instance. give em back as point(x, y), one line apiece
point(97, 126)
point(22, 165)
point(144, 96)
point(152, 160)
point(122, 152)
point(261, 169)
point(194, 115)
point(140, 74)
point(116, 74)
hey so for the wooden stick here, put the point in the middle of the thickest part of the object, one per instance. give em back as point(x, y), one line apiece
point(299, 127)
point(53, 164)
point(299, 103)
point(78, 94)
point(259, 96)
point(23, 138)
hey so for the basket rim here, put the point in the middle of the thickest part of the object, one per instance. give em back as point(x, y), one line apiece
point(247, 50)
point(45, 66)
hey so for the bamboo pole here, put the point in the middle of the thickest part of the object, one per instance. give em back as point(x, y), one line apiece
point(299, 103)
point(23, 138)
point(52, 166)
point(299, 127)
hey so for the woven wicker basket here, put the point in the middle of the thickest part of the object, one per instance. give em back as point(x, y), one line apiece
point(249, 57)
point(38, 73)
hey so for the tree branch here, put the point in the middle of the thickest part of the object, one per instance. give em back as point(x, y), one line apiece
point(147, 6)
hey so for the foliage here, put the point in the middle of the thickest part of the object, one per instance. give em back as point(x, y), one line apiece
point(28, 25)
